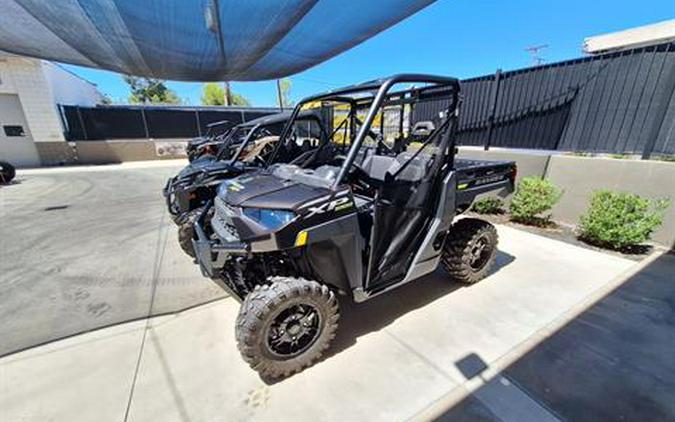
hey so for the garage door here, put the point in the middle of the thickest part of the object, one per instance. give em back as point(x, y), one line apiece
point(16, 142)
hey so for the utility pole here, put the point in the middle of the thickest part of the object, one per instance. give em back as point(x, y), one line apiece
point(281, 100)
point(534, 51)
point(227, 94)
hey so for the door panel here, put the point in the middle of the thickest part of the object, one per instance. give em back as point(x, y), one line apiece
point(401, 217)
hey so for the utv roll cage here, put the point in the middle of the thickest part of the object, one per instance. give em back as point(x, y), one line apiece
point(372, 95)
point(211, 126)
point(252, 127)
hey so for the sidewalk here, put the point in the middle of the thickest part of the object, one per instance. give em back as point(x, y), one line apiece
point(174, 162)
point(416, 353)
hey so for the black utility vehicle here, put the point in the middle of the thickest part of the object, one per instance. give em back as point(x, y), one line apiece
point(209, 143)
point(246, 147)
point(7, 172)
point(377, 214)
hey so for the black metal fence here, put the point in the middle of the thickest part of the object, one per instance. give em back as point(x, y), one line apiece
point(619, 102)
point(145, 122)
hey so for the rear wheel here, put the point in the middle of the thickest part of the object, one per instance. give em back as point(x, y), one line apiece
point(286, 326)
point(186, 231)
point(470, 250)
point(7, 172)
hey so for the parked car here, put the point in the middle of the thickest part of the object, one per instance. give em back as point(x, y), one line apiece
point(359, 222)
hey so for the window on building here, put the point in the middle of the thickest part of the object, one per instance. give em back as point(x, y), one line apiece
point(14, 130)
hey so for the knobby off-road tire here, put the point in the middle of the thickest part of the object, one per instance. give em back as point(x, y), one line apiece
point(269, 309)
point(186, 231)
point(470, 250)
point(7, 172)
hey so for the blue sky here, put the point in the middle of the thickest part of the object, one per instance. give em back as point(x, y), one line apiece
point(461, 38)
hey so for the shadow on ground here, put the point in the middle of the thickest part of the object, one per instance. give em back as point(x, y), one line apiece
point(612, 362)
point(359, 319)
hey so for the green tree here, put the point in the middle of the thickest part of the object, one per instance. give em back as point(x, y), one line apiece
point(148, 90)
point(285, 85)
point(214, 94)
point(105, 99)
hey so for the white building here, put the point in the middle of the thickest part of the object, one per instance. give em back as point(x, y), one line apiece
point(31, 132)
point(656, 33)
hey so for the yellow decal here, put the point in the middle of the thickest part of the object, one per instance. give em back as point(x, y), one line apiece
point(462, 186)
point(301, 239)
point(235, 187)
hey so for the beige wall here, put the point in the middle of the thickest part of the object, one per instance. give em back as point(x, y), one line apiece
point(108, 152)
point(56, 153)
point(579, 177)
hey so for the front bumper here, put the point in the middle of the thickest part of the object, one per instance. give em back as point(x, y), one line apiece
point(169, 192)
point(212, 254)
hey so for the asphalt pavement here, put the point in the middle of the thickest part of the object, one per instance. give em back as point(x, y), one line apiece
point(87, 247)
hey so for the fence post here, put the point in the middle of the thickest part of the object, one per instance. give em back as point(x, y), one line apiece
point(660, 115)
point(494, 96)
point(145, 124)
point(199, 124)
point(84, 129)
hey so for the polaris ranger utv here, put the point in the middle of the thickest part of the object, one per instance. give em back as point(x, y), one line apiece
point(247, 147)
point(209, 144)
point(286, 240)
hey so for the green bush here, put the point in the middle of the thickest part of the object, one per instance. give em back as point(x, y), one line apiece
point(668, 157)
point(534, 198)
point(620, 156)
point(620, 220)
point(489, 205)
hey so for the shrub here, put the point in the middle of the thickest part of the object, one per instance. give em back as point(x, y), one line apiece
point(620, 156)
point(534, 196)
point(489, 205)
point(668, 157)
point(620, 220)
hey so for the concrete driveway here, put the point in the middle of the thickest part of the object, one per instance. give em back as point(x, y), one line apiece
point(430, 350)
point(85, 247)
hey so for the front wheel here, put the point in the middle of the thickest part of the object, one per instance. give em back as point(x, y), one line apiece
point(286, 326)
point(186, 231)
point(470, 250)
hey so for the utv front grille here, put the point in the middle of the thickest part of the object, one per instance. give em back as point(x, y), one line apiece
point(222, 221)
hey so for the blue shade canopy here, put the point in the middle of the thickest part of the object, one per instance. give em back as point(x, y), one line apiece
point(201, 40)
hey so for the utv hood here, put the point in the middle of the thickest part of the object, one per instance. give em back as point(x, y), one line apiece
point(264, 190)
point(204, 164)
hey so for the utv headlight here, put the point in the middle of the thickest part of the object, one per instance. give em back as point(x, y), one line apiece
point(270, 219)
